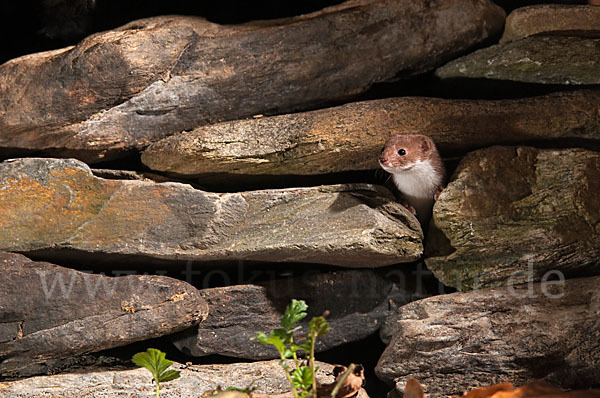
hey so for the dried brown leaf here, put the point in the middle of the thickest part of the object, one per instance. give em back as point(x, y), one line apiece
point(487, 392)
point(413, 389)
point(350, 386)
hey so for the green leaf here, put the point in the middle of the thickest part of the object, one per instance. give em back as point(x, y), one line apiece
point(149, 360)
point(169, 375)
point(284, 336)
point(287, 354)
point(272, 339)
point(163, 364)
point(143, 360)
point(294, 312)
point(302, 377)
point(154, 360)
point(261, 337)
point(248, 390)
point(300, 347)
point(318, 326)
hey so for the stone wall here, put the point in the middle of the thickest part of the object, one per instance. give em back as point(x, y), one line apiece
point(175, 181)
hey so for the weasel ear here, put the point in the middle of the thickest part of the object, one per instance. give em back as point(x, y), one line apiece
point(426, 145)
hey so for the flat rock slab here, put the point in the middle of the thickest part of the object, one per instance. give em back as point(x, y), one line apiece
point(49, 312)
point(123, 89)
point(357, 301)
point(452, 343)
point(556, 19)
point(350, 137)
point(513, 214)
point(58, 206)
point(266, 377)
point(534, 59)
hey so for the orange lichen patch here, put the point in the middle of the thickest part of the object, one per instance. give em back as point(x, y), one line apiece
point(126, 220)
point(20, 330)
point(128, 308)
point(39, 212)
point(178, 297)
point(63, 206)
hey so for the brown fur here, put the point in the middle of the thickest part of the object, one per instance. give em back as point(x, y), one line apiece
point(417, 170)
point(417, 147)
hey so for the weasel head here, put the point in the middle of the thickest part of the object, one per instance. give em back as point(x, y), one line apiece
point(403, 152)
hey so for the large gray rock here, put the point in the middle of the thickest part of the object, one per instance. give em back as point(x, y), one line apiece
point(57, 207)
point(266, 377)
point(120, 90)
point(350, 137)
point(357, 301)
point(454, 342)
point(555, 19)
point(513, 214)
point(49, 312)
point(534, 59)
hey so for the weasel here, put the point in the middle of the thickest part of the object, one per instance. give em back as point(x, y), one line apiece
point(417, 170)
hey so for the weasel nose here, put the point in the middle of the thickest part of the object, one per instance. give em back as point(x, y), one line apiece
point(381, 159)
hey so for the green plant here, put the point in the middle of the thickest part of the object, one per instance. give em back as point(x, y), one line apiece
point(302, 377)
point(154, 360)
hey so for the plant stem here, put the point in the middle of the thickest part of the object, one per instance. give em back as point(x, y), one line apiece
point(287, 374)
point(312, 367)
point(295, 360)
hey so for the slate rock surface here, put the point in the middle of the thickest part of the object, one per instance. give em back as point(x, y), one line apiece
point(357, 303)
point(267, 377)
point(555, 19)
point(48, 312)
point(513, 214)
point(57, 207)
point(350, 137)
point(558, 60)
point(518, 334)
point(120, 90)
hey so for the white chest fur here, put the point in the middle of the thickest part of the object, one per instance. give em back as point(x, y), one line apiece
point(420, 181)
point(419, 185)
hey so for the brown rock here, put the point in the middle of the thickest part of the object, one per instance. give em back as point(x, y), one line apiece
point(357, 302)
point(59, 208)
point(452, 343)
point(350, 137)
point(510, 215)
point(266, 377)
point(556, 19)
point(50, 312)
point(120, 90)
point(535, 59)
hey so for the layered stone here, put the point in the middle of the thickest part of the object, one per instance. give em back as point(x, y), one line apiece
point(350, 137)
point(517, 334)
point(51, 313)
point(264, 377)
point(357, 303)
point(515, 214)
point(560, 60)
point(59, 208)
point(552, 19)
point(117, 91)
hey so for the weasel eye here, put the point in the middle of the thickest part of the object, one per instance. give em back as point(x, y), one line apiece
point(401, 152)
